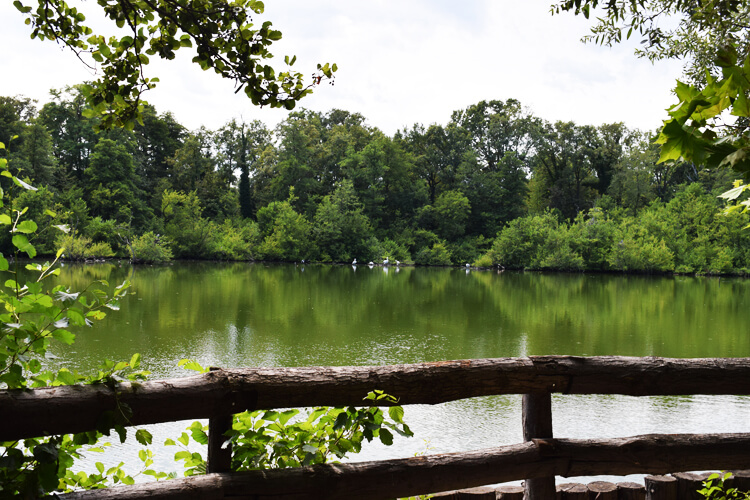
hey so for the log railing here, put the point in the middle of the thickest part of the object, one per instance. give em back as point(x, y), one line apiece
point(219, 393)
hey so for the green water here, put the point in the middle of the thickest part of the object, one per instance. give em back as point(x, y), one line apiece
point(234, 315)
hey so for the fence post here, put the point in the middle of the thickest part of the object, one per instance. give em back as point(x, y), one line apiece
point(219, 459)
point(537, 423)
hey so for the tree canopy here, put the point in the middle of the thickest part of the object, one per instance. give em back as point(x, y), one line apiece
point(711, 123)
point(222, 33)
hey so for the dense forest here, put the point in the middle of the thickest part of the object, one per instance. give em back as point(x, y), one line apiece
point(495, 186)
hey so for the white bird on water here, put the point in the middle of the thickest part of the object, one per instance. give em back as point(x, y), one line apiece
point(385, 262)
point(354, 262)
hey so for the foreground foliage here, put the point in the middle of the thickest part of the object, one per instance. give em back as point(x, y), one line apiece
point(715, 488)
point(35, 313)
point(223, 35)
point(709, 125)
point(277, 439)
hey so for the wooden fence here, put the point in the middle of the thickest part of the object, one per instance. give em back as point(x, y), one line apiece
point(219, 393)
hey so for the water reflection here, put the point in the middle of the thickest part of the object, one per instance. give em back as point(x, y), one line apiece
point(236, 315)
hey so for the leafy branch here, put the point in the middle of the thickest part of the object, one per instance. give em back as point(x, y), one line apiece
point(222, 33)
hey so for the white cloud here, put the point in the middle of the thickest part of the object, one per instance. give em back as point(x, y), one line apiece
point(400, 63)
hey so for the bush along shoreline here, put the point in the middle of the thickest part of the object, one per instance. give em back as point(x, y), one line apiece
point(687, 235)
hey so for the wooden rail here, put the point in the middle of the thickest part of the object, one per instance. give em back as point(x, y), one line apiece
point(220, 393)
point(431, 473)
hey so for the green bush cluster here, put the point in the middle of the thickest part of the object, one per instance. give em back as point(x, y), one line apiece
point(689, 234)
point(150, 248)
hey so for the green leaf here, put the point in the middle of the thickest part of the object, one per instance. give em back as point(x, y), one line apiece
point(46, 453)
point(21, 8)
point(43, 300)
point(22, 243)
point(734, 193)
point(144, 437)
point(189, 364)
point(76, 318)
point(741, 106)
point(121, 432)
point(97, 315)
point(23, 184)
point(199, 436)
point(27, 227)
point(396, 413)
point(64, 336)
point(5, 219)
point(386, 437)
point(65, 377)
point(135, 361)
point(184, 439)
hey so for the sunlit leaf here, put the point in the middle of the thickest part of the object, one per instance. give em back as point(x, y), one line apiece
point(143, 436)
point(26, 226)
point(64, 336)
point(23, 184)
point(22, 243)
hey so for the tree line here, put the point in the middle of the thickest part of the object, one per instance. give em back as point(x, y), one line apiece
point(496, 185)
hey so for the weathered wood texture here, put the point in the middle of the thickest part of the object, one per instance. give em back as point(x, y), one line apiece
point(509, 493)
point(740, 479)
point(446, 495)
point(631, 491)
point(651, 454)
point(688, 484)
point(571, 491)
point(537, 423)
point(57, 410)
point(661, 488)
point(602, 490)
point(480, 493)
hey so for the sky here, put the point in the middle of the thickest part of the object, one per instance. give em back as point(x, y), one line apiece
point(400, 63)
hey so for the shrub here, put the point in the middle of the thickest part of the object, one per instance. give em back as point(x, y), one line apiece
point(150, 247)
point(437, 255)
point(81, 248)
point(592, 237)
point(535, 242)
point(232, 242)
point(394, 251)
point(104, 231)
point(484, 261)
point(469, 249)
point(638, 250)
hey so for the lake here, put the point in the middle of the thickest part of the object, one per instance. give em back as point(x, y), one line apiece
point(242, 315)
